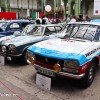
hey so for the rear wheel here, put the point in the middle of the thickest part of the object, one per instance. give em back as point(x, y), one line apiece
point(87, 80)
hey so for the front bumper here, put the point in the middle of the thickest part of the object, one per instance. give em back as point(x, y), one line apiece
point(10, 55)
point(65, 74)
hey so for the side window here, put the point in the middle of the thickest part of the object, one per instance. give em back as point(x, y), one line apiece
point(49, 30)
point(52, 29)
point(58, 28)
point(14, 26)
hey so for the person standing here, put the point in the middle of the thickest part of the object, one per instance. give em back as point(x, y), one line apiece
point(73, 19)
point(80, 18)
point(68, 19)
point(87, 18)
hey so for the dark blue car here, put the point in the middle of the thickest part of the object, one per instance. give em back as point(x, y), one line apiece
point(10, 26)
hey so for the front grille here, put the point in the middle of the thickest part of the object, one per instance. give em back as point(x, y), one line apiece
point(47, 61)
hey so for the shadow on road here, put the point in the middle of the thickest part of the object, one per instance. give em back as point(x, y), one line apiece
point(14, 63)
point(65, 84)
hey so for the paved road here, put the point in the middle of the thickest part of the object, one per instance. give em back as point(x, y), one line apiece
point(17, 82)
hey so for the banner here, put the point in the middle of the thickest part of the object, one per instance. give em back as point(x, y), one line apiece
point(96, 7)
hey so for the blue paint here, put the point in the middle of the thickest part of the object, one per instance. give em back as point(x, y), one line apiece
point(59, 55)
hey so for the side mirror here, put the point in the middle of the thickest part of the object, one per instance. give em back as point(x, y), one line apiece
point(17, 33)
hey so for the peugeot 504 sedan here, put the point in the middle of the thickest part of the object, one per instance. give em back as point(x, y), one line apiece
point(16, 46)
point(75, 56)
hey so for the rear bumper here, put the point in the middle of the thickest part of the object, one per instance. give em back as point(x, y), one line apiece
point(65, 74)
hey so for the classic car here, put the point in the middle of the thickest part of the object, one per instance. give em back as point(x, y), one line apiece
point(17, 45)
point(75, 56)
point(10, 26)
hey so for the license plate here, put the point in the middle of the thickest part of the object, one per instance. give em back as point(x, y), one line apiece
point(46, 72)
point(43, 82)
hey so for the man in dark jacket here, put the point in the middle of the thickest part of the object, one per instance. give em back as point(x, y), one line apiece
point(80, 18)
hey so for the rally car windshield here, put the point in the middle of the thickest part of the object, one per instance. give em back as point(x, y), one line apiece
point(82, 31)
point(33, 30)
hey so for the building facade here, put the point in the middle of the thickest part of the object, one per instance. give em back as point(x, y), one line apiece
point(84, 7)
point(59, 8)
point(32, 8)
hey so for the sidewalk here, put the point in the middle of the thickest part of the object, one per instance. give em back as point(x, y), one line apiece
point(10, 92)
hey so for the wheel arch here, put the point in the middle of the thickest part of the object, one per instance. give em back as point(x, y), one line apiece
point(24, 50)
point(96, 60)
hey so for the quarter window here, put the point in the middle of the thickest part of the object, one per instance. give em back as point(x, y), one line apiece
point(58, 28)
point(14, 26)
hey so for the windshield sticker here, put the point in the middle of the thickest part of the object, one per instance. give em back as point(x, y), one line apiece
point(68, 40)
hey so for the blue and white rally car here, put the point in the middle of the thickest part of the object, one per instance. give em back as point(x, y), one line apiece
point(77, 55)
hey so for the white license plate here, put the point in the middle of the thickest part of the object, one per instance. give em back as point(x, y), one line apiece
point(43, 82)
point(46, 72)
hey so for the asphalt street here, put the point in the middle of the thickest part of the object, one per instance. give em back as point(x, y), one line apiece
point(18, 82)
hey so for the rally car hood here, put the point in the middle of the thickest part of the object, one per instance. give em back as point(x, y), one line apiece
point(21, 40)
point(63, 49)
point(62, 45)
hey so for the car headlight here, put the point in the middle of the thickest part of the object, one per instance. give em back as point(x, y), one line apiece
point(30, 57)
point(11, 48)
point(71, 64)
point(3, 48)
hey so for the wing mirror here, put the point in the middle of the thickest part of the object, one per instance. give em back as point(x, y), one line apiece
point(17, 33)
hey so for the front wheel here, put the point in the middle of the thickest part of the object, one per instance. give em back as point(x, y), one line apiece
point(87, 80)
point(24, 58)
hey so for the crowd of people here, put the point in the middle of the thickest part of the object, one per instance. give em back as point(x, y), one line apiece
point(73, 18)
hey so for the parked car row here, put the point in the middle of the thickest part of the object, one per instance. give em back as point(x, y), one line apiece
point(10, 26)
point(71, 52)
point(16, 46)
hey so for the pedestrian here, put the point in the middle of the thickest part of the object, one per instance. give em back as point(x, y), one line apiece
point(87, 18)
point(68, 19)
point(38, 21)
point(80, 18)
point(73, 18)
point(45, 20)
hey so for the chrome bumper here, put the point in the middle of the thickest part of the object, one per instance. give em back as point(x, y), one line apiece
point(61, 73)
point(10, 55)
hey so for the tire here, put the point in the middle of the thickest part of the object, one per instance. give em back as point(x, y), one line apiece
point(87, 80)
point(24, 58)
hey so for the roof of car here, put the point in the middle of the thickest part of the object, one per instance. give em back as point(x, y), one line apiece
point(47, 25)
point(92, 23)
point(15, 21)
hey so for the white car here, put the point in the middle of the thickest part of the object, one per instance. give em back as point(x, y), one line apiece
point(15, 46)
point(75, 56)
